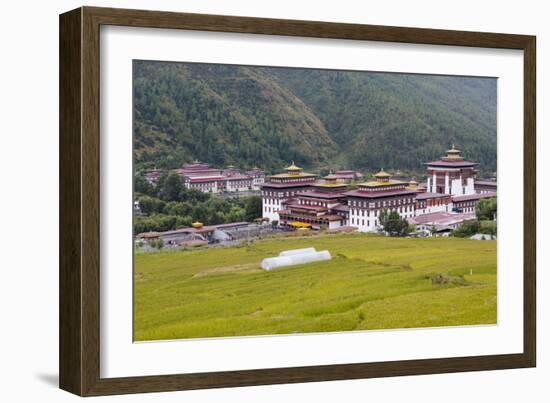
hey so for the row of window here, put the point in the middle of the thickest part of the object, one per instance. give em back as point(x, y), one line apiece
point(467, 203)
point(378, 204)
point(312, 203)
point(239, 183)
point(294, 180)
point(362, 222)
point(271, 201)
point(432, 202)
point(279, 194)
point(376, 189)
point(366, 213)
point(207, 185)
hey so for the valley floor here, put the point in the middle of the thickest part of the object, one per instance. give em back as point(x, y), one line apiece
point(372, 282)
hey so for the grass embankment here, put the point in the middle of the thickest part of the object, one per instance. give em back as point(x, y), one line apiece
point(372, 282)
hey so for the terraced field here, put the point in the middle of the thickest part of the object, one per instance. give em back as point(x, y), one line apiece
point(372, 282)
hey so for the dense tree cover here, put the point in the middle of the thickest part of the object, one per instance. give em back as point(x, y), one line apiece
point(486, 209)
point(169, 205)
point(393, 224)
point(472, 227)
point(321, 119)
point(485, 222)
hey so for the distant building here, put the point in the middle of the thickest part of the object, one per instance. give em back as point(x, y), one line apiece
point(485, 186)
point(440, 222)
point(468, 203)
point(197, 234)
point(451, 174)
point(347, 176)
point(153, 176)
point(258, 177)
point(203, 177)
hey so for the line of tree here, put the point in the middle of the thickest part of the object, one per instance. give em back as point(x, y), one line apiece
point(485, 222)
point(169, 205)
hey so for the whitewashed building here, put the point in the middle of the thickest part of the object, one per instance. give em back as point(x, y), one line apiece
point(451, 174)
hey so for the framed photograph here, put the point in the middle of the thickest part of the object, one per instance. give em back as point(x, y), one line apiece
point(248, 201)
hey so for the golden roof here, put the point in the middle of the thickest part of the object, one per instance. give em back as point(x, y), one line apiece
point(293, 167)
point(294, 175)
point(331, 185)
point(382, 184)
point(382, 174)
point(197, 224)
point(453, 152)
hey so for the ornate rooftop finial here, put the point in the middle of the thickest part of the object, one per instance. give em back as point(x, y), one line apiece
point(453, 153)
point(293, 167)
point(382, 176)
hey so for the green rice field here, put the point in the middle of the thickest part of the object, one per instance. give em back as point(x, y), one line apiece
point(372, 282)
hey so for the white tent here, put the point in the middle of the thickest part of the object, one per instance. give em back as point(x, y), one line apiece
point(294, 257)
point(297, 251)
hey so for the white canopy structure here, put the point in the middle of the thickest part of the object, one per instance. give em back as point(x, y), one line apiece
point(295, 256)
point(297, 251)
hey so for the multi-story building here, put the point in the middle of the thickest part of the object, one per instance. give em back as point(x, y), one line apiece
point(371, 198)
point(282, 187)
point(297, 198)
point(202, 177)
point(258, 177)
point(440, 223)
point(427, 203)
point(320, 207)
point(238, 183)
point(451, 174)
point(153, 176)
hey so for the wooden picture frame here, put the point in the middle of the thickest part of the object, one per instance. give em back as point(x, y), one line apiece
point(79, 346)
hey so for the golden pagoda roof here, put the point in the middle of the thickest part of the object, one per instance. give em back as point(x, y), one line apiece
point(197, 224)
point(453, 152)
point(372, 184)
point(382, 174)
point(294, 175)
point(293, 167)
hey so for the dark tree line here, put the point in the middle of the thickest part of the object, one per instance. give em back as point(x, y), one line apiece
point(269, 116)
point(169, 205)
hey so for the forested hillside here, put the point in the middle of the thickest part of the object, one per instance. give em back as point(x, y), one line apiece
point(262, 116)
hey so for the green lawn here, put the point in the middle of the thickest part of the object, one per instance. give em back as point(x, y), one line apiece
point(372, 282)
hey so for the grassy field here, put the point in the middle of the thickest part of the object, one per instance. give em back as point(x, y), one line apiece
point(372, 282)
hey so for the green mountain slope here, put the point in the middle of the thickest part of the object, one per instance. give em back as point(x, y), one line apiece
point(321, 119)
